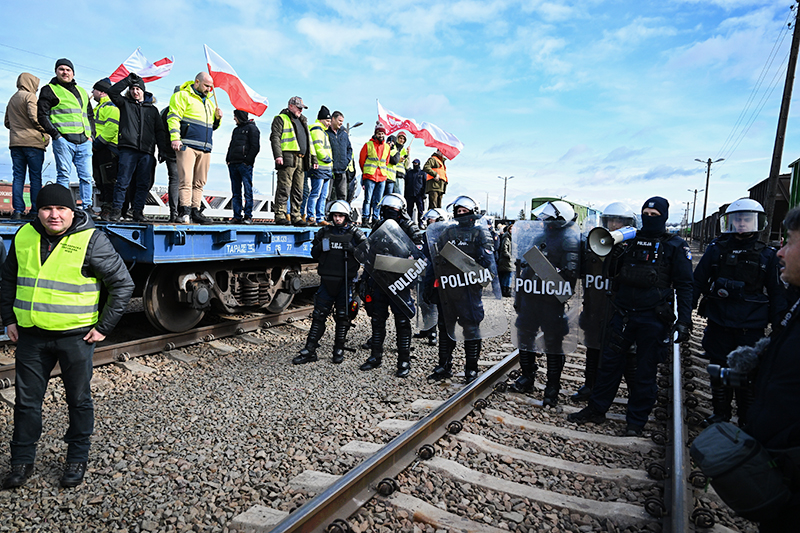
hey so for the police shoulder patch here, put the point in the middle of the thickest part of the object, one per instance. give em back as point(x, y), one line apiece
point(688, 253)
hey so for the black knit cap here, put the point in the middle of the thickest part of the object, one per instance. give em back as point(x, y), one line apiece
point(658, 203)
point(103, 85)
point(64, 61)
point(241, 116)
point(323, 113)
point(55, 194)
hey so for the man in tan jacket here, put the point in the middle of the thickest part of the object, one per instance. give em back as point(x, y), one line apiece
point(27, 141)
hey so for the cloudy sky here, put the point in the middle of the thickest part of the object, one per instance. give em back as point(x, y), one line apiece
point(596, 101)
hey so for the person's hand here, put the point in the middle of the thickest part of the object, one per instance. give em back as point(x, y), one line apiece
point(684, 332)
point(278, 161)
point(94, 336)
point(218, 113)
point(176, 145)
point(11, 331)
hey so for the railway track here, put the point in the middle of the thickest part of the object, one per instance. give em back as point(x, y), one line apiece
point(588, 479)
point(124, 351)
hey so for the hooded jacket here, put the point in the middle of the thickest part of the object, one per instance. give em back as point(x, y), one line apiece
point(192, 118)
point(140, 125)
point(20, 118)
point(101, 261)
point(245, 144)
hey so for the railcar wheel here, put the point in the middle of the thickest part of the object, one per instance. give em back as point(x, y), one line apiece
point(280, 302)
point(161, 305)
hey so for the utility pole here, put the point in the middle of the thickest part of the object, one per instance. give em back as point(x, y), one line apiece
point(505, 185)
point(705, 197)
point(694, 204)
point(777, 152)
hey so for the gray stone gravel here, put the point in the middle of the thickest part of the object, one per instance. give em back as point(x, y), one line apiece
point(192, 445)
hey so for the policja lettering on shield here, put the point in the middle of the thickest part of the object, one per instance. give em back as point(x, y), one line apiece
point(409, 276)
point(550, 288)
point(465, 279)
point(597, 282)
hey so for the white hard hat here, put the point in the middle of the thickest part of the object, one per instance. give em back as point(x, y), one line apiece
point(745, 215)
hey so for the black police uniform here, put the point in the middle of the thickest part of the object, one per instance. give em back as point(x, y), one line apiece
point(742, 293)
point(645, 270)
point(561, 245)
point(465, 305)
point(333, 248)
point(377, 304)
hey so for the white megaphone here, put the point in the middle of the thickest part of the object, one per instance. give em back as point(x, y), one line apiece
point(601, 241)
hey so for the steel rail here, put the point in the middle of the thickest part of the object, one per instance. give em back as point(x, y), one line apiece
point(677, 492)
point(118, 352)
point(350, 492)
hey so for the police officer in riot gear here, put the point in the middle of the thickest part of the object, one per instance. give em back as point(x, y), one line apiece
point(644, 271)
point(437, 214)
point(739, 282)
point(333, 247)
point(464, 307)
point(391, 207)
point(560, 243)
point(596, 305)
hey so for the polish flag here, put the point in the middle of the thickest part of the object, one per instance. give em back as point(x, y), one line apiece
point(431, 134)
point(241, 95)
point(138, 64)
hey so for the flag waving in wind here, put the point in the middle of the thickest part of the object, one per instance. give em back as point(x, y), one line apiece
point(431, 134)
point(241, 95)
point(138, 64)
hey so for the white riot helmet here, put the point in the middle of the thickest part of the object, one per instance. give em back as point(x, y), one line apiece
point(437, 214)
point(558, 211)
point(340, 207)
point(620, 213)
point(394, 201)
point(466, 202)
point(743, 216)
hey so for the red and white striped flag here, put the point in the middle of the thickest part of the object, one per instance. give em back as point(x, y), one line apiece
point(431, 134)
point(138, 64)
point(241, 95)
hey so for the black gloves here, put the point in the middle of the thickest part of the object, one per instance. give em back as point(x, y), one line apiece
point(684, 331)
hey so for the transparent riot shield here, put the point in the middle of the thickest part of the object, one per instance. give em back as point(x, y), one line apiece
point(546, 293)
point(596, 287)
point(466, 278)
point(394, 262)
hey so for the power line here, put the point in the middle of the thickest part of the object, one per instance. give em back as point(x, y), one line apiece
point(47, 57)
point(767, 65)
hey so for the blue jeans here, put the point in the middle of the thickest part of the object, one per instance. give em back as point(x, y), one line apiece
point(399, 182)
point(306, 193)
point(22, 158)
point(36, 356)
point(373, 192)
point(241, 175)
point(319, 193)
point(135, 168)
point(67, 154)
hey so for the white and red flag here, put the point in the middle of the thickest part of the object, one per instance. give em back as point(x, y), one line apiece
point(241, 95)
point(431, 134)
point(138, 64)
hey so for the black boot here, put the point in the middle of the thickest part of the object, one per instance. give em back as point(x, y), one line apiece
point(376, 345)
point(444, 369)
point(309, 353)
point(589, 374)
point(555, 363)
point(403, 327)
point(198, 217)
point(472, 350)
point(527, 379)
point(342, 327)
point(721, 398)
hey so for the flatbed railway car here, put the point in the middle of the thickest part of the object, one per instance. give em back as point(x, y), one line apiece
point(183, 271)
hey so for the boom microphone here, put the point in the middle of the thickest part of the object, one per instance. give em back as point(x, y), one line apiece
point(601, 241)
point(745, 358)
